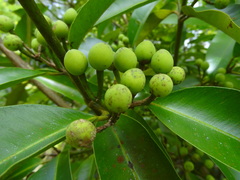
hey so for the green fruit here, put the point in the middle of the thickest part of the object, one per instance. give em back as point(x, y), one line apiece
point(177, 74)
point(60, 28)
point(210, 177)
point(162, 61)
point(12, 42)
point(48, 20)
point(221, 70)
point(118, 98)
point(134, 79)
point(183, 151)
point(161, 85)
point(80, 133)
point(125, 59)
point(145, 50)
point(35, 44)
point(121, 36)
point(228, 84)
point(219, 77)
point(198, 62)
point(196, 157)
point(188, 166)
point(221, 4)
point(100, 56)
point(75, 62)
point(120, 44)
point(6, 24)
point(40, 38)
point(69, 16)
point(125, 40)
point(204, 66)
point(208, 164)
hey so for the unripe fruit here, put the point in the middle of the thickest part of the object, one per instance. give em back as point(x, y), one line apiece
point(221, 70)
point(134, 79)
point(205, 65)
point(35, 44)
point(12, 42)
point(118, 98)
point(48, 20)
point(161, 85)
point(198, 62)
point(219, 77)
point(60, 28)
point(125, 40)
point(6, 24)
point(121, 36)
point(75, 62)
point(183, 151)
point(40, 38)
point(162, 61)
point(125, 59)
point(208, 164)
point(100, 56)
point(69, 16)
point(177, 74)
point(210, 177)
point(188, 166)
point(228, 84)
point(145, 50)
point(221, 4)
point(196, 157)
point(80, 133)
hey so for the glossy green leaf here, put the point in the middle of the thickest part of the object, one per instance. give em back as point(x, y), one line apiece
point(85, 20)
point(11, 76)
point(220, 52)
point(127, 151)
point(121, 6)
point(216, 18)
point(228, 172)
point(22, 169)
point(206, 117)
point(63, 85)
point(85, 169)
point(57, 169)
point(27, 130)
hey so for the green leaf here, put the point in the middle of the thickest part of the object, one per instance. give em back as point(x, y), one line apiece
point(216, 18)
point(11, 76)
point(228, 172)
point(206, 117)
point(57, 169)
point(63, 85)
point(220, 52)
point(27, 130)
point(85, 20)
point(127, 151)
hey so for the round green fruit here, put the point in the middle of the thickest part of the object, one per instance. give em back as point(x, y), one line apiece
point(188, 166)
point(228, 84)
point(183, 151)
point(118, 98)
point(198, 62)
point(75, 62)
point(177, 74)
point(35, 44)
point(40, 38)
point(134, 79)
point(196, 157)
point(161, 85)
point(12, 42)
point(69, 16)
point(60, 28)
point(221, 4)
point(101, 56)
point(204, 66)
point(80, 133)
point(219, 77)
point(145, 50)
point(210, 177)
point(162, 61)
point(208, 164)
point(221, 70)
point(6, 24)
point(125, 59)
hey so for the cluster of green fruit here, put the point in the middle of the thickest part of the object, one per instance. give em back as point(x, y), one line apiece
point(132, 80)
point(122, 41)
point(221, 4)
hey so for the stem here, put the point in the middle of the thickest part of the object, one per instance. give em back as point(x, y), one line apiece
point(145, 101)
point(83, 81)
point(110, 122)
point(117, 75)
point(179, 34)
point(100, 84)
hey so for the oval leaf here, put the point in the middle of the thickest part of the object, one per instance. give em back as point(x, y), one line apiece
point(11, 75)
point(127, 151)
point(216, 18)
point(207, 117)
point(27, 130)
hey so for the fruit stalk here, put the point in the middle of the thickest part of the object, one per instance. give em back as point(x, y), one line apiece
point(100, 84)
